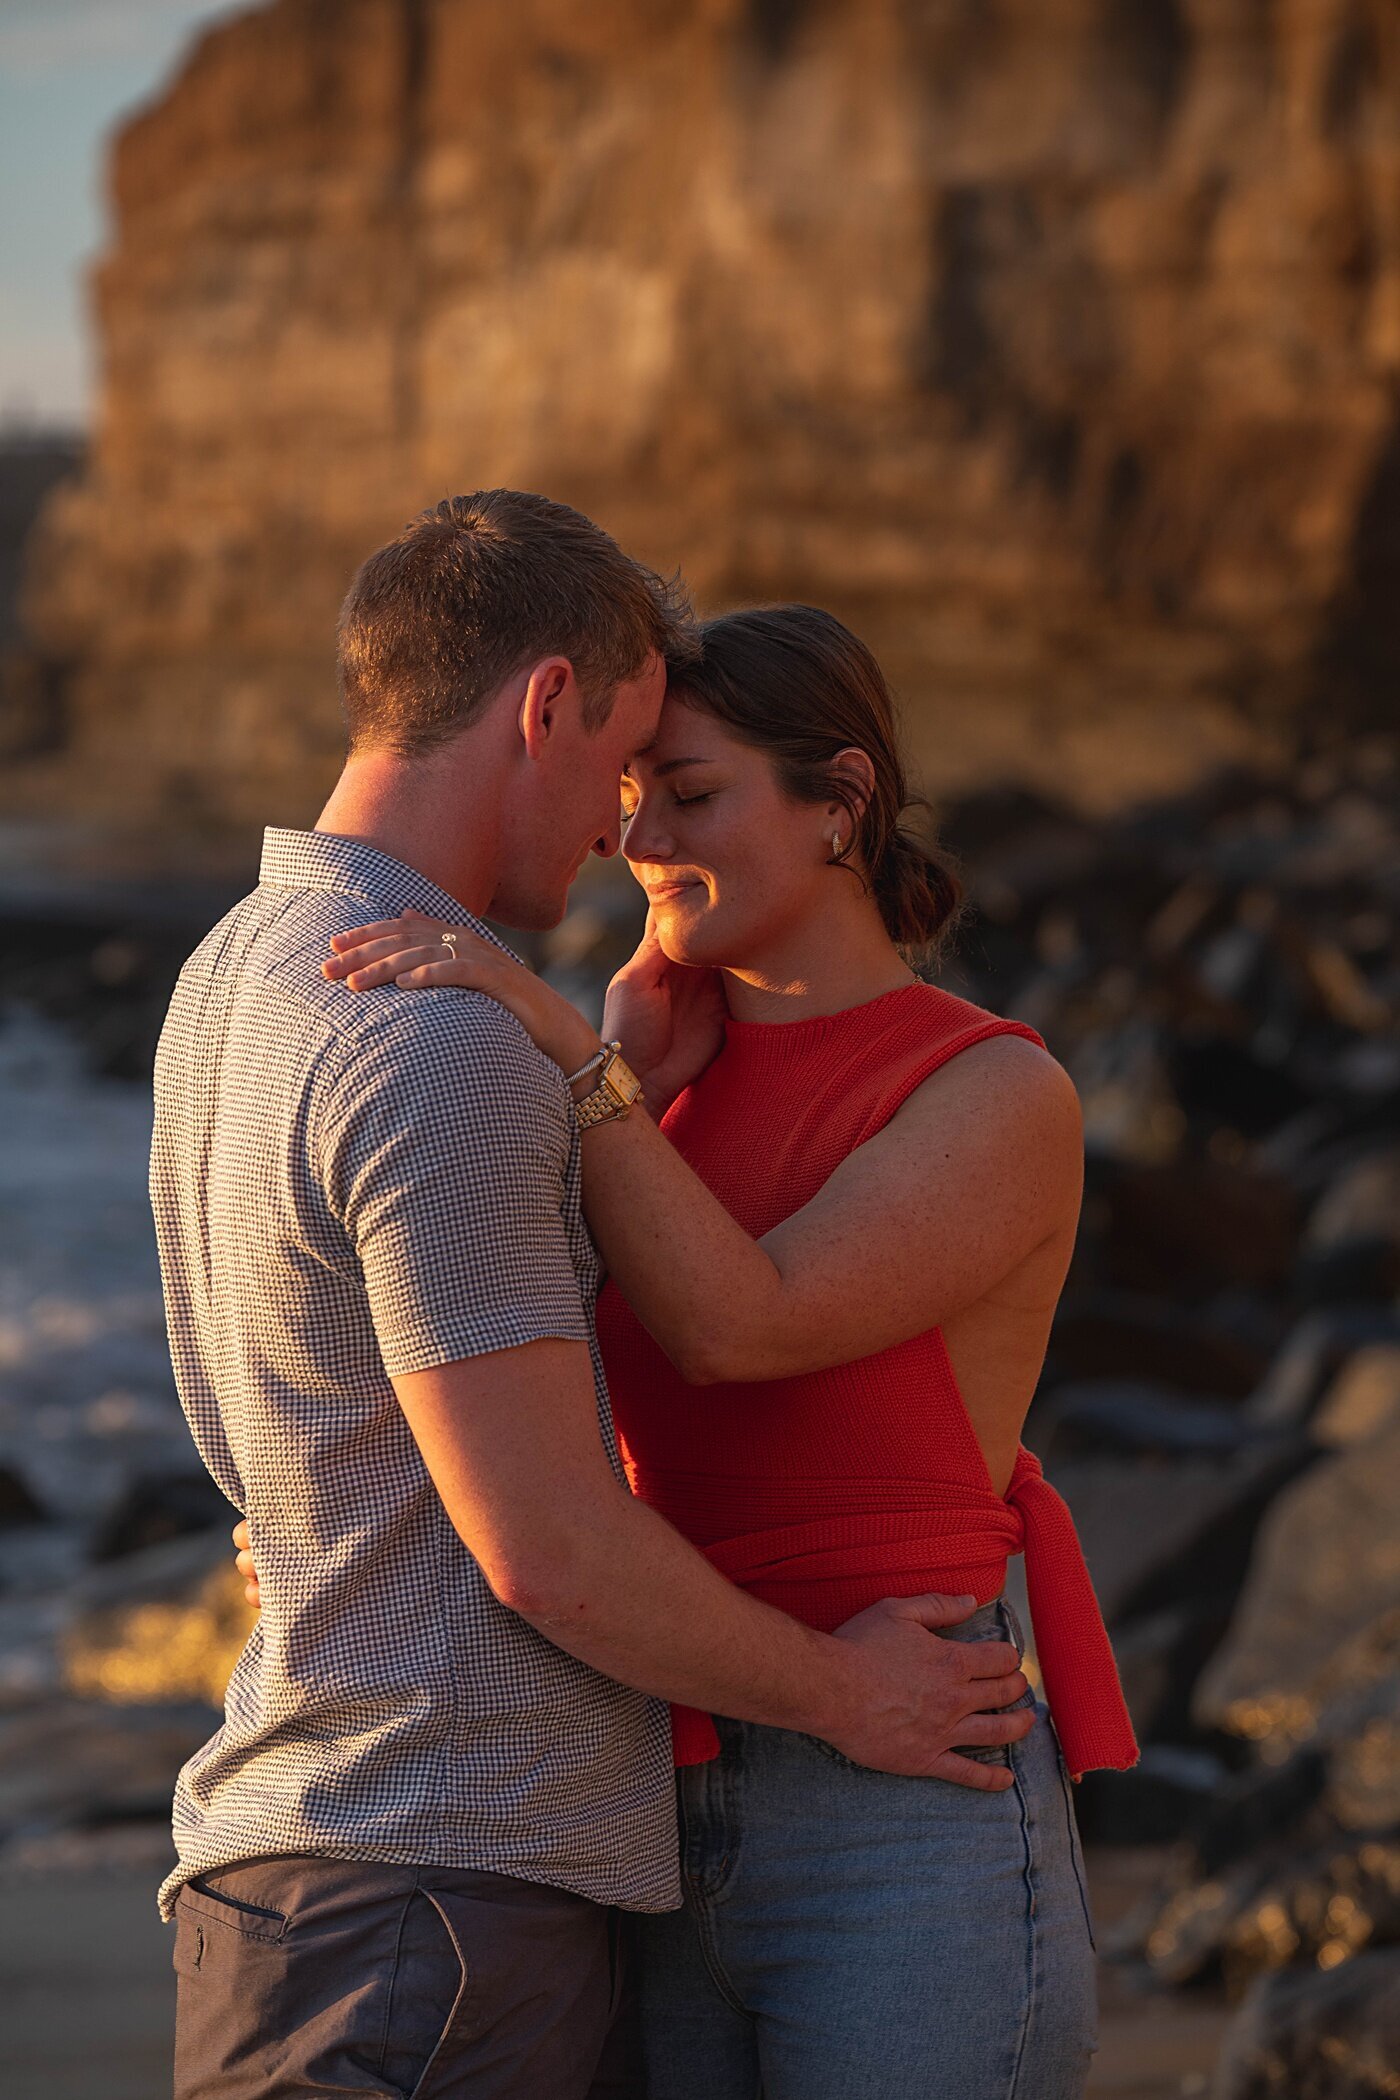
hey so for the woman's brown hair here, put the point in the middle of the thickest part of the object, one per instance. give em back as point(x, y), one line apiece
point(794, 682)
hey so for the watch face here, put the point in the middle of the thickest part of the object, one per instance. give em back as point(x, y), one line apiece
point(622, 1082)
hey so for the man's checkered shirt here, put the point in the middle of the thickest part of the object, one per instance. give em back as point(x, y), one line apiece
point(349, 1186)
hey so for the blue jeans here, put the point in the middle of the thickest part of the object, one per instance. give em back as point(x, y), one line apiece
point(850, 1935)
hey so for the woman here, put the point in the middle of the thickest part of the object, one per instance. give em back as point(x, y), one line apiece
point(835, 1238)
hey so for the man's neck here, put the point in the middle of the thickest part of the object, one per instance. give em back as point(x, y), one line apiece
point(414, 813)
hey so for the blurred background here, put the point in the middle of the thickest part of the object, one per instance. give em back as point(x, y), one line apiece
point(1055, 346)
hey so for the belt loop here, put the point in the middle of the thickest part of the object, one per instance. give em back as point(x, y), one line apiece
point(1013, 1625)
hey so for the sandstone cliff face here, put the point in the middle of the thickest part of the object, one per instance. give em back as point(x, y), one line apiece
point(1054, 343)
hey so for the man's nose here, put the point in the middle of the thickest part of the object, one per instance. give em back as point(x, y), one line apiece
point(607, 842)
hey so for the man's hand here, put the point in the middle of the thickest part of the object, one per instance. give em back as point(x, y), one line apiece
point(915, 1697)
point(244, 1563)
point(925, 1694)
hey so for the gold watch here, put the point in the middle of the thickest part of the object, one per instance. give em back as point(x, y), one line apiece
point(618, 1087)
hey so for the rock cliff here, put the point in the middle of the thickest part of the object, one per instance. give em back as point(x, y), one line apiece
point(1055, 346)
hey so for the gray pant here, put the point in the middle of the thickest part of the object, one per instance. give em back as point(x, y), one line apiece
point(301, 1976)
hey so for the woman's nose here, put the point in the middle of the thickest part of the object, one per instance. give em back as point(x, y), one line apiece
point(646, 839)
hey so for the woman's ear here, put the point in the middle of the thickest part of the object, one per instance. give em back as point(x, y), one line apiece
point(854, 769)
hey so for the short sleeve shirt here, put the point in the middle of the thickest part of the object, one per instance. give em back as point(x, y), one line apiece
point(349, 1187)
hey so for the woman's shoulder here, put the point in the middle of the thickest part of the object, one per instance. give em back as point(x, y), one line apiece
point(954, 1048)
point(948, 1014)
point(928, 1025)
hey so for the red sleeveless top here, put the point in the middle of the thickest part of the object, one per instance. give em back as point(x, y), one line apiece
point(822, 1493)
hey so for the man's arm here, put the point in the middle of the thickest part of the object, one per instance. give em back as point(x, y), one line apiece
point(511, 1441)
point(442, 1144)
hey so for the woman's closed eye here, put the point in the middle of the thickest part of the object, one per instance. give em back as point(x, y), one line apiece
point(681, 802)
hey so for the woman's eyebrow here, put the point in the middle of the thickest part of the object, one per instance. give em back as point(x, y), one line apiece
point(673, 765)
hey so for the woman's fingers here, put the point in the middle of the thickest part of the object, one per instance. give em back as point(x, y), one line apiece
point(437, 970)
point(376, 929)
point(365, 952)
point(243, 1561)
point(399, 942)
point(397, 964)
point(388, 967)
point(359, 945)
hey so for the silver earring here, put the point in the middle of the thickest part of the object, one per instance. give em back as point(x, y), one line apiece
point(838, 851)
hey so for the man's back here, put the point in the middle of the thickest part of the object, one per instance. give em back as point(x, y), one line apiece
point(347, 1188)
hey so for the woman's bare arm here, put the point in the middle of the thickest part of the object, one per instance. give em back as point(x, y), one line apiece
point(981, 1166)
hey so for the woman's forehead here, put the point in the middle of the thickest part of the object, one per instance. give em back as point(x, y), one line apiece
point(683, 732)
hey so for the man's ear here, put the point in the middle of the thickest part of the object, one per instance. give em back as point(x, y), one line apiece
point(548, 686)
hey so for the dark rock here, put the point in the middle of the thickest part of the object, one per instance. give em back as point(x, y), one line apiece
point(1198, 1349)
point(1325, 1567)
point(1361, 1203)
point(1255, 1807)
point(1156, 1533)
point(1160, 1656)
point(1309, 2035)
point(83, 1761)
point(1128, 1415)
point(1321, 1902)
point(1345, 1271)
point(1363, 1769)
point(1362, 1399)
point(17, 1504)
point(1220, 1081)
point(1338, 1897)
point(162, 1625)
point(1314, 1353)
point(1155, 1803)
point(1193, 1224)
point(157, 1507)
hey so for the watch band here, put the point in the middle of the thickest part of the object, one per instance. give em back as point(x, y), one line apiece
point(618, 1087)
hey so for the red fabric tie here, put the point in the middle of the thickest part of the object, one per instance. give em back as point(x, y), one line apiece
point(951, 1526)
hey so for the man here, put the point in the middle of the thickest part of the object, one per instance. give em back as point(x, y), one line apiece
point(446, 1761)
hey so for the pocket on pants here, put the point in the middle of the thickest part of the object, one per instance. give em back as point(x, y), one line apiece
point(427, 1996)
point(207, 1921)
point(252, 1921)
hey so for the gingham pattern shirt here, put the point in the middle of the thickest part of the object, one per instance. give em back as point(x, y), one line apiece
point(349, 1186)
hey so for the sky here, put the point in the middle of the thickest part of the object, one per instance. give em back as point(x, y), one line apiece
point(69, 71)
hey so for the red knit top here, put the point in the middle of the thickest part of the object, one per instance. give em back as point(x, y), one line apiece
point(824, 1492)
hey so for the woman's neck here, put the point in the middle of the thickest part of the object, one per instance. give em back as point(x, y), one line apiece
point(817, 970)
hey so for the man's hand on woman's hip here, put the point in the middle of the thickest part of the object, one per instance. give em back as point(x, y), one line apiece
point(916, 1697)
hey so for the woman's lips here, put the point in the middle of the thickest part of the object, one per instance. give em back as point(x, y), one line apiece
point(661, 892)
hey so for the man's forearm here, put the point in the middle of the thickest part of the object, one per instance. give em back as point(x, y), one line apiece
point(637, 1602)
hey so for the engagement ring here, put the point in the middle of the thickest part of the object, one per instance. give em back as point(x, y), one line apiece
point(449, 941)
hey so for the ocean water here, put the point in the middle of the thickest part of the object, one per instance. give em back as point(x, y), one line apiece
point(87, 1401)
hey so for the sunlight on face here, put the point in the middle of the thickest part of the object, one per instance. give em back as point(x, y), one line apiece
point(729, 862)
point(569, 807)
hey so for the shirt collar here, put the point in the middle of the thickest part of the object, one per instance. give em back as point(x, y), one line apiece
point(322, 860)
